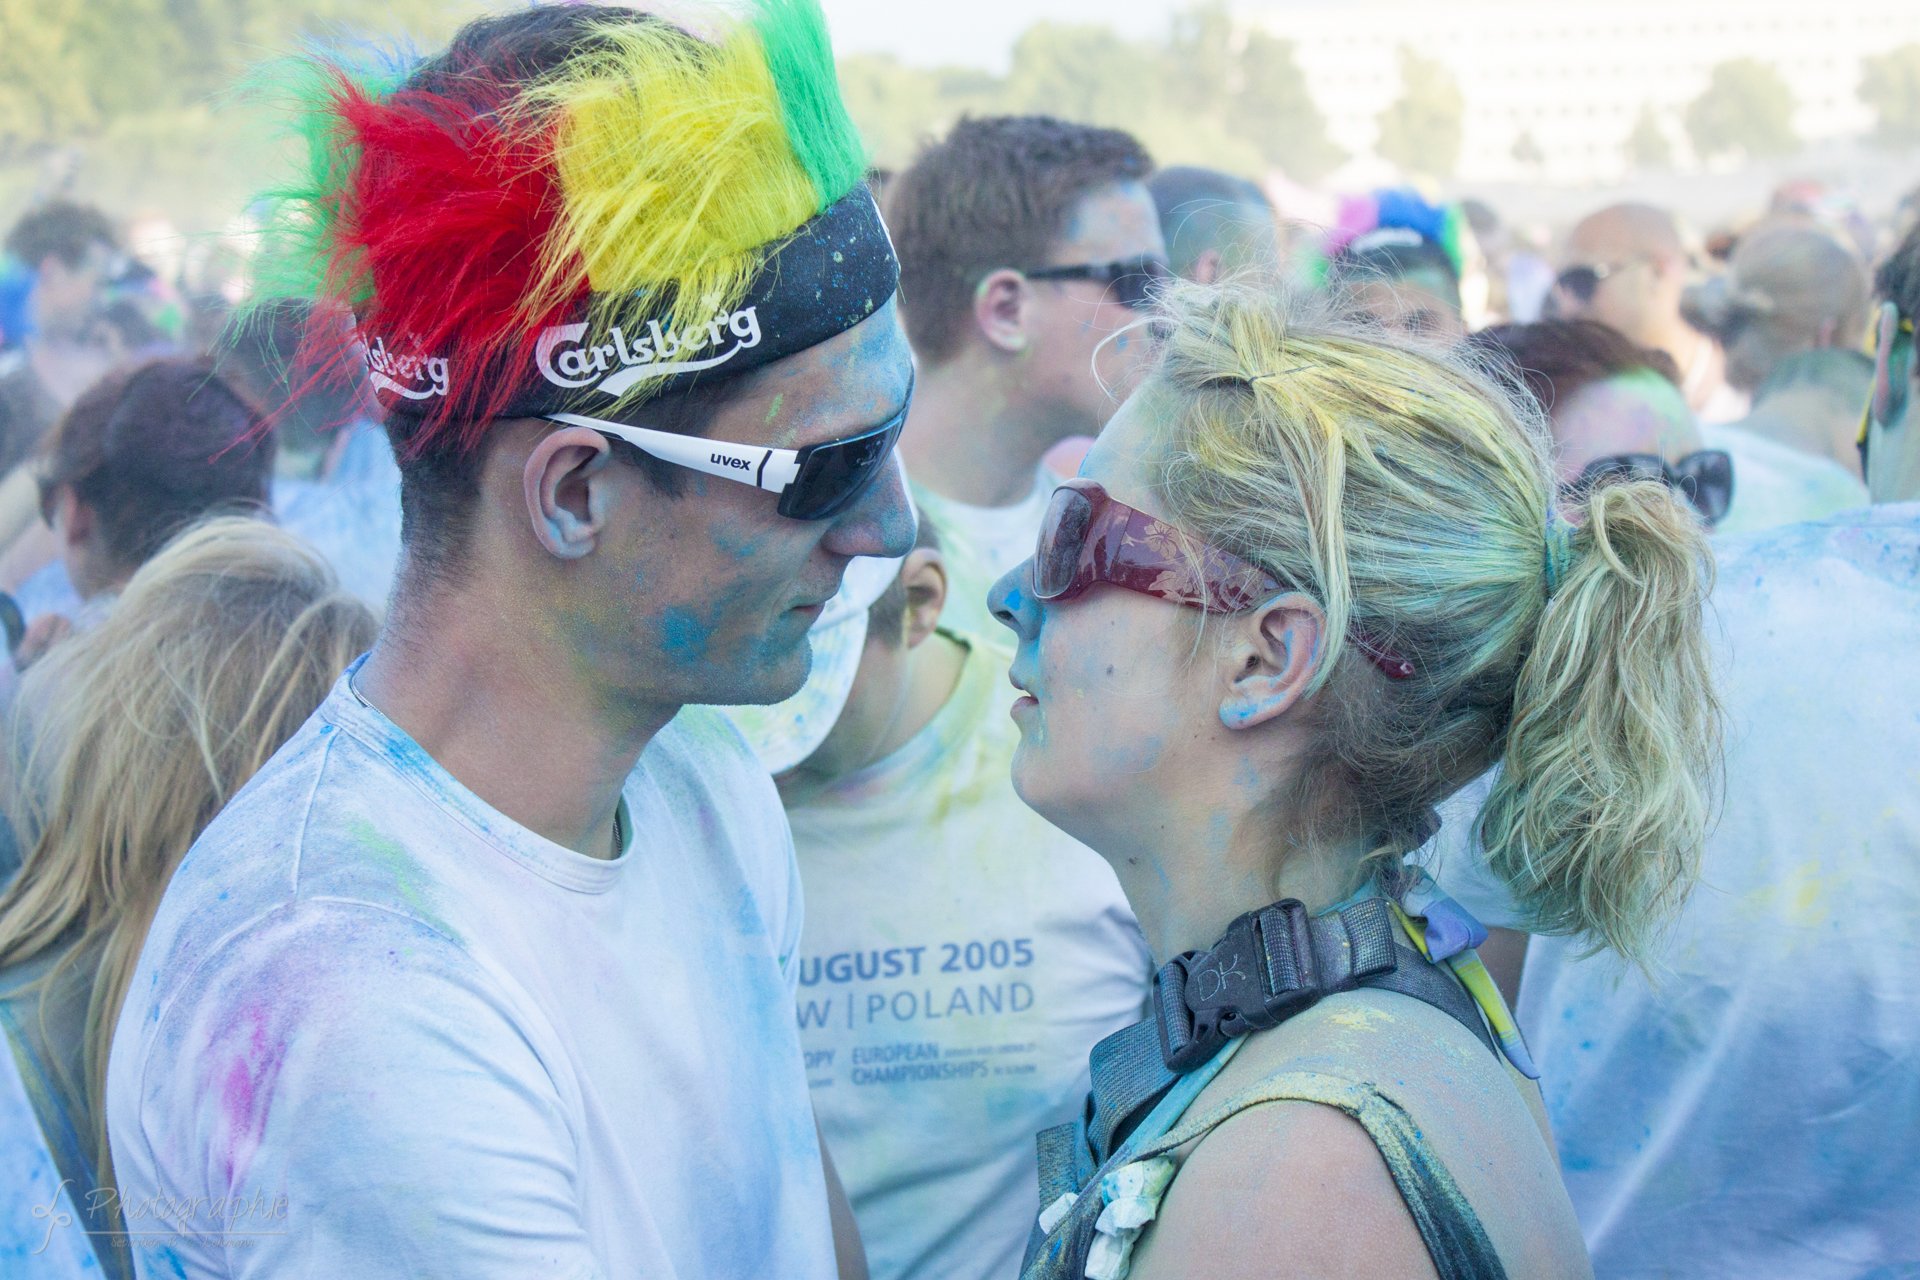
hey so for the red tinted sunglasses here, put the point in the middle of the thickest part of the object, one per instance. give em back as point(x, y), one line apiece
point(1088, 537)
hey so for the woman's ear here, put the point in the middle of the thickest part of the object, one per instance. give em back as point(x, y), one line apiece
point(925, 576)
point(566, 503)
point(1271, 662)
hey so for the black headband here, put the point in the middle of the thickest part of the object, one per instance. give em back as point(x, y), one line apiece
point(831, 274)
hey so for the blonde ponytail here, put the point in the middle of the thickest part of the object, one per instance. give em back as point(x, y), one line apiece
point(218, 650)
point(1599, 813)
point(1409, 492)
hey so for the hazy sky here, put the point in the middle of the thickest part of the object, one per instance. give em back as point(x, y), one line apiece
point(974, 33)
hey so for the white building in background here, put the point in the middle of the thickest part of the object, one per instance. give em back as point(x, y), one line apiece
point(1575, 75)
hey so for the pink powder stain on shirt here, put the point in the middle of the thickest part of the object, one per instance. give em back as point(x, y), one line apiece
point(245, 1085)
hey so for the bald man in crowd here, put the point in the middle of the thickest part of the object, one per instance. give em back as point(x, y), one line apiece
point(1626, 267)
point(1214, 223)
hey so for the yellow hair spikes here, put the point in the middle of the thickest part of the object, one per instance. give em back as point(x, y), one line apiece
point(675, 169)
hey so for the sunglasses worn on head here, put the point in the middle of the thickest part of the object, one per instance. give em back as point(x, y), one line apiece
point(1704, 479)
point(1581, 283)
point(1088, 537)
point(1134, 282)
point(815, 482)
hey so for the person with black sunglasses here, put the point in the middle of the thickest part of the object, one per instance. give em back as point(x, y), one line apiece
point(1627, 267)
point(1617, 411)
point(1614, 408)
point(1030, 250)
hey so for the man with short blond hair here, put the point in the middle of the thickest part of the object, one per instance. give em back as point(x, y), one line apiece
point(1029, 250)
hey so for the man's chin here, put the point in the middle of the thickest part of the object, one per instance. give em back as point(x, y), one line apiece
point(773, 675)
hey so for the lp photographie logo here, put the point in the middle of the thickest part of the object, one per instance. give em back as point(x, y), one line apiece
point(234, 1219)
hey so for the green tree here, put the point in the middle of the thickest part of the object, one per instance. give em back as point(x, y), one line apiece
point(1890, 84)
point(1198, 65)
point(1647, 145)
point(70, 69)
point(131, 91)
point(1082, 73)
point(1422, 131)
point(1090, 74)
point(1747, 108)
point(1274, 110)
point(897, 108)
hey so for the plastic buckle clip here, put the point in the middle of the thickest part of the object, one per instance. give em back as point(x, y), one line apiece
point(1258, 975)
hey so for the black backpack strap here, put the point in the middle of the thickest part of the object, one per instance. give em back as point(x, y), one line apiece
point(1130, 1075)
point(1276, 962)
point(1063, 1152)
point(1129, 1079)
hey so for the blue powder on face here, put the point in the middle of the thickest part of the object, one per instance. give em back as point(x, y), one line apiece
point(683, 636)
point(738, 548)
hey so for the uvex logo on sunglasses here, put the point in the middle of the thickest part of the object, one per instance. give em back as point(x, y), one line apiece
point(401, 374)
point(616, 365)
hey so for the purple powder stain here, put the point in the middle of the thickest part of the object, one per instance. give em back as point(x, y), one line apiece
point(245, 1087)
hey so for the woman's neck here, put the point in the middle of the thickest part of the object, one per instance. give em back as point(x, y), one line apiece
point(1186, 895)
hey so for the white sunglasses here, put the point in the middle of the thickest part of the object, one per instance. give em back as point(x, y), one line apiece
point(816, 482)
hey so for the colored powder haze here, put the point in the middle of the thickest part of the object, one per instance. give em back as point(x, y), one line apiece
point(980, 34)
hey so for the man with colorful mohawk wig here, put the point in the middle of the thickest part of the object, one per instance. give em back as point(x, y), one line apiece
point(489, 972)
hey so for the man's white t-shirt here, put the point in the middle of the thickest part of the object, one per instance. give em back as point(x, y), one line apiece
point(981, 544)
point(1749, 1112)
point(1776, 484)
point(386, 1031)
point(961, 958)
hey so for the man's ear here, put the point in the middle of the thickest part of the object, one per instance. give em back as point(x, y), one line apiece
point(1893, 446)
point(925, 576)
point(1002, 308)
point(73, 518)
point(567, 500)
point(1271, 661)
point(1206, 267)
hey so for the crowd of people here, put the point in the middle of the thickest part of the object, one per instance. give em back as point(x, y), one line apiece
point(505, 735)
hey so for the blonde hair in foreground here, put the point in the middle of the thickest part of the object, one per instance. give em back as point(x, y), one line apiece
point(220, 647)
point(1404, 490)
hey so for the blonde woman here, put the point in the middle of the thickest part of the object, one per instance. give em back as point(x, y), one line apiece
point(221, 646)
point(1307, 585)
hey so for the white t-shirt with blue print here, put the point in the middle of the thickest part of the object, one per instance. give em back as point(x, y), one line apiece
point(961, 957)
point(379, 1029)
